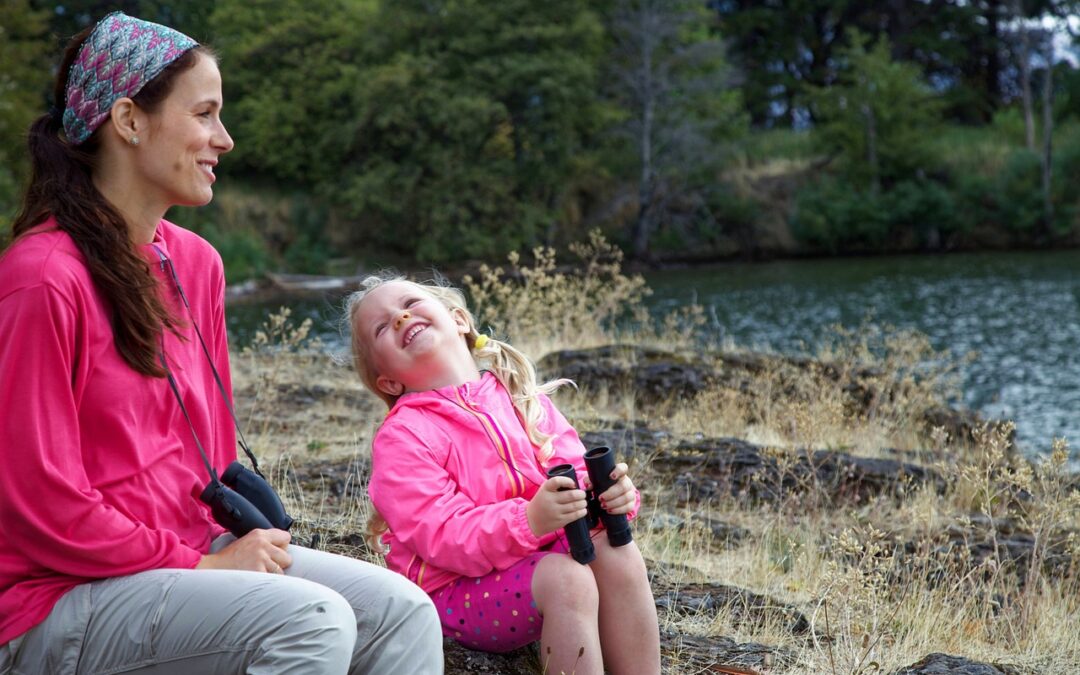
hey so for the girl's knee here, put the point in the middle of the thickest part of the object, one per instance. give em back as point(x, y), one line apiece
point(619, 565)
point(560, 579)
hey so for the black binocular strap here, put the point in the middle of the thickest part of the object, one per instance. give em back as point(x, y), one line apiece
point(166, 262)
point(183, 408)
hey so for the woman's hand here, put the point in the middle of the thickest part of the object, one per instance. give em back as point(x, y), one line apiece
point(550, 509)
point(620, 497)
point(256, 551)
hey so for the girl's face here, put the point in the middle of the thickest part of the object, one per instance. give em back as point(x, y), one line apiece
point(411, 338)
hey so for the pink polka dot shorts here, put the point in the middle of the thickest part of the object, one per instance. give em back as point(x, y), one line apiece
point(496, 612)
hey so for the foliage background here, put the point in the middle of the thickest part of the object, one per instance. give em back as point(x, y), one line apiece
point(414, 132)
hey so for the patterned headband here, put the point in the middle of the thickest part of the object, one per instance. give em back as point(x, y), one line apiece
point(117, 59)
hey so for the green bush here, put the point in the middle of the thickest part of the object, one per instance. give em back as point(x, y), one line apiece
point(830, 215)
point(243, 249)
point(833, 216)
point(1018, 193)
point(243, 252)
point(1066, 179)
point(923, 207)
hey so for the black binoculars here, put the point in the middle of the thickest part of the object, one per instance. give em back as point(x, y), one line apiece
point(599, 462)
point(243, 501)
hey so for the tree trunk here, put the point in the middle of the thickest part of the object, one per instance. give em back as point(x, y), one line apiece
point(643, 226)
point(992, 72)
point(871, 149)
point(1048, 136)
point(1025, 77)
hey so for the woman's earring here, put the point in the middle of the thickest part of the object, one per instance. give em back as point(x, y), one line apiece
point(134, 140)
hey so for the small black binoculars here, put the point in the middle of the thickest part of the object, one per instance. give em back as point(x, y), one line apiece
point(599, 462)
point(243, 501)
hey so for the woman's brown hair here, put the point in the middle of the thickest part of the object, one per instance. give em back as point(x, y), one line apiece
point(61, 185)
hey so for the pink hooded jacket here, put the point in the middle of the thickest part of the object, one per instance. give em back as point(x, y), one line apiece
point(452, 472)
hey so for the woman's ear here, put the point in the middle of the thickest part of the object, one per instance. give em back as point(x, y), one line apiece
point(126, 120)
point(388, 386)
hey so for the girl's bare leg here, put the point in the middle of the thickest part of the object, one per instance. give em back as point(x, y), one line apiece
point(629, 631)
point(565, 594)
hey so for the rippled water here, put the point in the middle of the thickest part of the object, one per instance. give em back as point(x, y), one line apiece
point(1020, 312)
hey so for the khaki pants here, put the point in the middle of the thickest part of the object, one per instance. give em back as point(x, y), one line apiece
point(327, 614)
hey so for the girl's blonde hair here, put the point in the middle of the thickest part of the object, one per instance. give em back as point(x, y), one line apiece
point(512, 368)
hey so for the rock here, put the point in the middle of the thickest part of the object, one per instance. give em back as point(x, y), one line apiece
point(657, 376)
point(1009, 542)
point(460, 660)
point(943, 664)
point(724, 534)
point(958, 424)
point(665, 521)
point(706, 469)
point(684, 653)
point(680, 653)
point(652, 374)
point(628, 442)
point(333, 479)
point(747, 608)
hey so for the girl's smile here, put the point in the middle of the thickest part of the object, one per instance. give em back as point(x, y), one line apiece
point(410, 334)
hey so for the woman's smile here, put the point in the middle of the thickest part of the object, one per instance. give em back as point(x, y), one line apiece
point(207, 166)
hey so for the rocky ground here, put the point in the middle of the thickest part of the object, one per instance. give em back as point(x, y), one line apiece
point(702, 478)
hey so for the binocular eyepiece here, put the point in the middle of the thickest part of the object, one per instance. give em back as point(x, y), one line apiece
point(599, 462)
point(243, 501)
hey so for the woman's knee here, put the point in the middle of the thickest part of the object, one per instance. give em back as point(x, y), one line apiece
point(562, 580)
point(415, 606)
point(316, 610)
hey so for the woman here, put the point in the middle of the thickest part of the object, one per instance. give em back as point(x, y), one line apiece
point(109, 562)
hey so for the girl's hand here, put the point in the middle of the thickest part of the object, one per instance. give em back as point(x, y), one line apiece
point(550, 509)
point(620, 497)
point(256, 551)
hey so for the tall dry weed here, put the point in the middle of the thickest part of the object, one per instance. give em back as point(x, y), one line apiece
point(543, 306)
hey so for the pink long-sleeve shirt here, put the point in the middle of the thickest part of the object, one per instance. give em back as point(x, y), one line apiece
point(452, 472)
point(99, 472)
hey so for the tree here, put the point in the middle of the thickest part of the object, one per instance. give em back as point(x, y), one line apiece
point(71, 16)
point(473, 120)
point(1034, 36)
point(876, 118)
point(290, 72)
point(24, 83)
point(783, 49)
point(671, 80)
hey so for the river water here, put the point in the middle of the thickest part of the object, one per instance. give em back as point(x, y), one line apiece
point(1018, 311)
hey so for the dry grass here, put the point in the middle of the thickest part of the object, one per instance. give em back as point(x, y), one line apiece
point(878, 581)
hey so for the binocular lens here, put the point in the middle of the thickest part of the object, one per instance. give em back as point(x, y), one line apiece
point(256, 490)
point(243, 501)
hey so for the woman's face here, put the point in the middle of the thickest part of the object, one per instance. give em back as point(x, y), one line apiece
point(179, 149)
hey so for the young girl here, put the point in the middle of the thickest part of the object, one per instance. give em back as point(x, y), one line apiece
point(467, 511)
